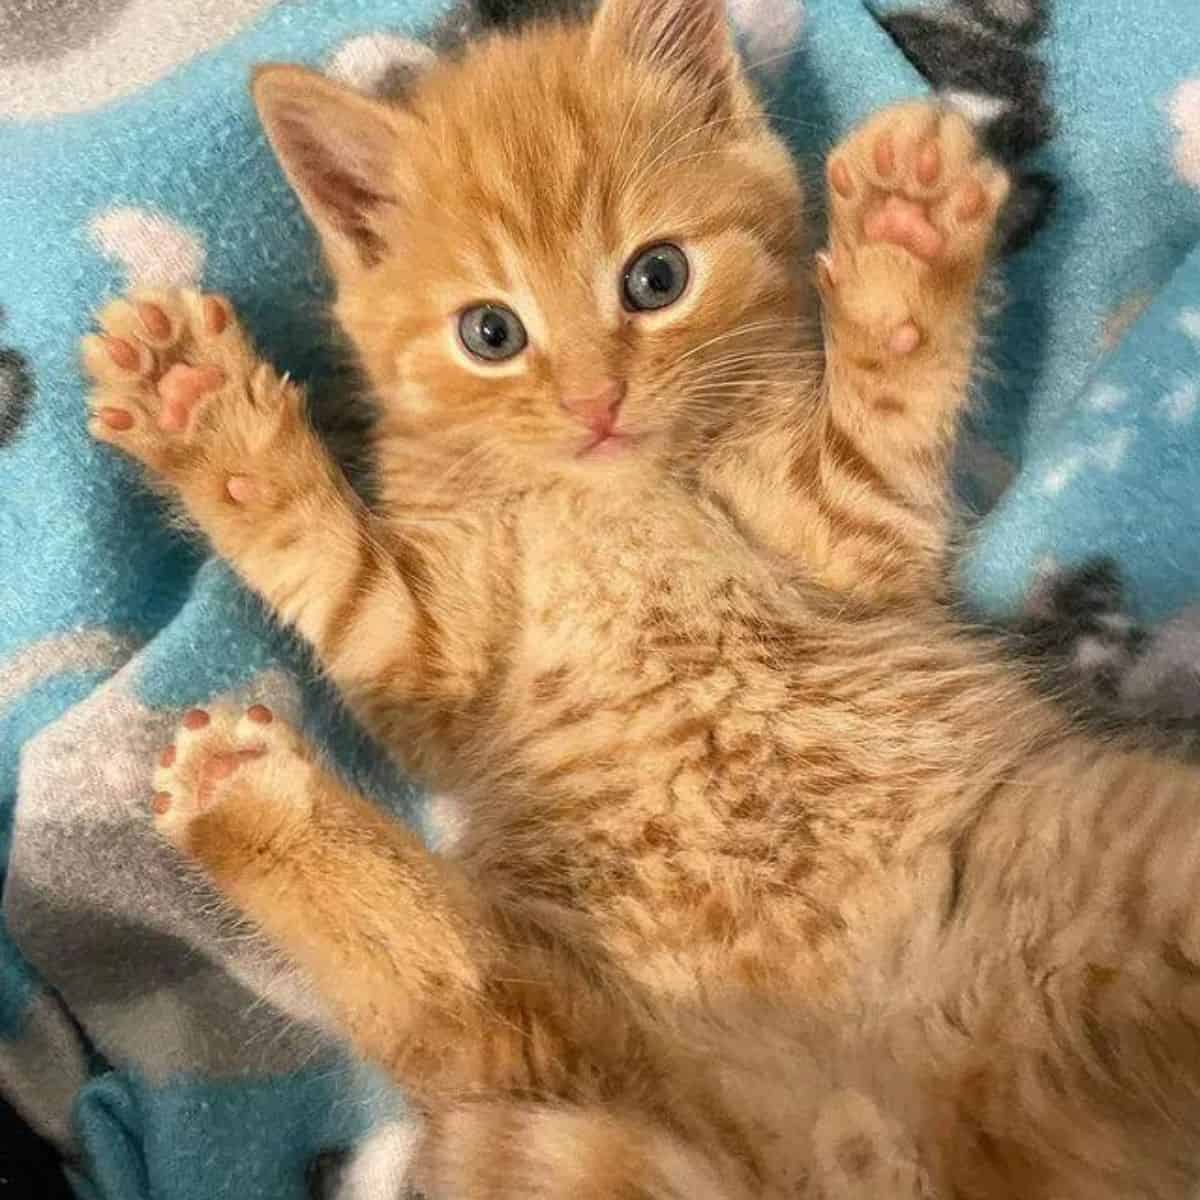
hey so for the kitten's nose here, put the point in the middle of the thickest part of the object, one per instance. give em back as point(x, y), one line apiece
point(596, 406)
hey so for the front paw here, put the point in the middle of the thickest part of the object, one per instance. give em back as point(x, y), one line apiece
point(232, 780)
point(177, 385)
point(913, 208)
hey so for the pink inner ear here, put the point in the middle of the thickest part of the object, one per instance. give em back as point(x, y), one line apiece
point(349, 204)
point(340, 195)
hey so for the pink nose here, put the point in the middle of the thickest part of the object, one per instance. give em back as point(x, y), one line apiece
point(597, 406)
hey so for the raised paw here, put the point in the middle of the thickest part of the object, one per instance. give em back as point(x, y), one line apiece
point(913, 207)
point(914, 177)
point(245, 773)
point(174, 379)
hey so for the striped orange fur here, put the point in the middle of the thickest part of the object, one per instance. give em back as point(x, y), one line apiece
point(774, 880)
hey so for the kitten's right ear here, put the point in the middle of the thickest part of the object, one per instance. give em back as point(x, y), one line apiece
point(690, 38)
point(339, 151)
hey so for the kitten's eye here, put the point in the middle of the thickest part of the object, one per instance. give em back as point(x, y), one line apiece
point(491, 332)
point(655, 277)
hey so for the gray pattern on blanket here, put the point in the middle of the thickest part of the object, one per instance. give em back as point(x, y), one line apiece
point(41, 30)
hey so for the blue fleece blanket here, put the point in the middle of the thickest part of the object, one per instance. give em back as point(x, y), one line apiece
point(166, 1058)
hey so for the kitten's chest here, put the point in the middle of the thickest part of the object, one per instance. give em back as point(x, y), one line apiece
point(701, 765)
point(681, 797)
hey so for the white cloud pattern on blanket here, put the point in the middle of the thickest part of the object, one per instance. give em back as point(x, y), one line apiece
point(154, 250)
point(769, 29)
point(369, 61)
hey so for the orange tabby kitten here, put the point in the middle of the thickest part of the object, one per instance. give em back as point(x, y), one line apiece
point(774, 883)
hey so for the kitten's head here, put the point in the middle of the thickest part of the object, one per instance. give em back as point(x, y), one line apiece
point(564, 249)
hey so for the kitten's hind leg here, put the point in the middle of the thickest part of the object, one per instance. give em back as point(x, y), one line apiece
point(423, 974)
point(913, 206)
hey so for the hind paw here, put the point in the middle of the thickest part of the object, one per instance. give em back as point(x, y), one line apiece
point(229, 758)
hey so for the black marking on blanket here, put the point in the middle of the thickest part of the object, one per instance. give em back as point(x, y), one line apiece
point(1029, 208)
point(509, 14)
point(16, 391)
point(1111, 669)
point(1074, 619)
point(30, 1167)
point(1023, 20)
point(981, 54)
point(324, 1173)
point(959, 57)
point(474, 18)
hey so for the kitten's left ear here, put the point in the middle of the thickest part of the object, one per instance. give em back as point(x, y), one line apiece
point(340, 152)
point(686, 37)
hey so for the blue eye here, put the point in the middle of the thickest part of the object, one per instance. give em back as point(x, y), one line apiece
point(491, 332)
point(655, 277)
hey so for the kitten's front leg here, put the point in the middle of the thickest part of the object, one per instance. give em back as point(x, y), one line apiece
point(913, 206)
point(178, 386)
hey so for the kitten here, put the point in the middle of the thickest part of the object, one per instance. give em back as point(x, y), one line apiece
point(774, 881)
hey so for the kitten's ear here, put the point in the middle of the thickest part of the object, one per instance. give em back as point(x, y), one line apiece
point(687, 37)
point(339, 151)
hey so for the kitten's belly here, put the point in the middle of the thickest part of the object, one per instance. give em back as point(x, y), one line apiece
point(728, 812)
point(713, 876)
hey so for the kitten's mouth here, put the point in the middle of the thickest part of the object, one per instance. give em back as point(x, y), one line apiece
point(609, 444)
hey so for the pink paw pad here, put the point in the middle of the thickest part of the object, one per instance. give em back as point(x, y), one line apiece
point(117, 419)
point(122, 353)
point(905, 339)
point(221, 766)
point(885, 156)
point(260, 714)
point(241, 489)
point(904, 223)
point(181, 388)
point(972, 200)
point(216, 315)
point(195, 718)
point(929, 163)
point(839, 177)
point(155, 321)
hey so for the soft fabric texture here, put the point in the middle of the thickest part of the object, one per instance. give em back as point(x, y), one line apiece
point(163, 1052)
